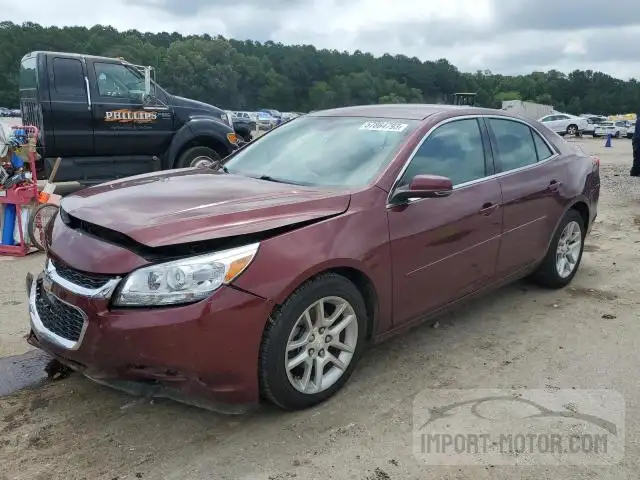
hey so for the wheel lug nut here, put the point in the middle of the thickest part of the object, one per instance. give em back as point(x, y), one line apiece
point(311, 351)
point(312, 338)
point(327, 339)
point(321, 353)
point(322, 330)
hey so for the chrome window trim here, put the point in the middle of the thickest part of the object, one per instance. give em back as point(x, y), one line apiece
point(479, 180)
point(103, 292)
point(39, 328)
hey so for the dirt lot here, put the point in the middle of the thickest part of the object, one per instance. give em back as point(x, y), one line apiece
point(586, 336)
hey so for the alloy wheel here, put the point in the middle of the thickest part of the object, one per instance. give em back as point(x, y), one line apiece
point(568, 250)
point(321, 345)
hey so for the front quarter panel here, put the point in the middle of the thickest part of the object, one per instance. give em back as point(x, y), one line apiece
point(357, 239)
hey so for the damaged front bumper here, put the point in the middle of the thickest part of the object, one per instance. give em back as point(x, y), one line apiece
point(202, 354)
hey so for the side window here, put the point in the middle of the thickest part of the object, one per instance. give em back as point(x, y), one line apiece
point(514, 143)
point(542, 148)
point(546, 119)
point(116, 80)
point(454, 150)
point(68, 77)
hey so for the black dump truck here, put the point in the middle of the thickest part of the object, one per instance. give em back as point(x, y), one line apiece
point(107, 119)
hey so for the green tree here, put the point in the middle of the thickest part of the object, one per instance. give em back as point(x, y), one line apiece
point(247, 75)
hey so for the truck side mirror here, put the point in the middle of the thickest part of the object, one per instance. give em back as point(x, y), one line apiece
point(147, 82)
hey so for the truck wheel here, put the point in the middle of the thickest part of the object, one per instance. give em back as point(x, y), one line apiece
point(198, 157)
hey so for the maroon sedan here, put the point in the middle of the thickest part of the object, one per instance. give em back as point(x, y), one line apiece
point(267, 277)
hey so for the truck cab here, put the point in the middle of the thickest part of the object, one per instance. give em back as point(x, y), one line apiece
point(107, 119)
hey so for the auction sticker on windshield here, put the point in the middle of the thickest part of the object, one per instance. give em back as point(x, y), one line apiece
point(381, 126)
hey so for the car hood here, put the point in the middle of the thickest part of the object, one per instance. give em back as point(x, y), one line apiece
point(192, 205)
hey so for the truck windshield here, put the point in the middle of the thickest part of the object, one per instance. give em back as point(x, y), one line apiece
point(323, 151)
point(28, 77)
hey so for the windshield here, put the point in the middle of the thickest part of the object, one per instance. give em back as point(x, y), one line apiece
point(323, 151)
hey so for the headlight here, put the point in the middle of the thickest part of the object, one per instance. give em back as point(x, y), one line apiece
point(184, 281)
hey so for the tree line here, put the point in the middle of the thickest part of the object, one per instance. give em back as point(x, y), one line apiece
point(249, 75)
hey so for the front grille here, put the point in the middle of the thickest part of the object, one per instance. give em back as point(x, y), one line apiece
point(58, 317)
point(81, 279)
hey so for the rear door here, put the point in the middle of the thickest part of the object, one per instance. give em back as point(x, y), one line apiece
point(531, 180)
point(69, 112)
point(443, 248)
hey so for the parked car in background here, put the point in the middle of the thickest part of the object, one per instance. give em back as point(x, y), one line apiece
point(273, 113)
point(5, 112)
point(615, 128)
point(565, 124)
point(265, 121)
point(268, 277)
point(248, 116)
point(631, 128)
point(592, 122)
point(15, 112)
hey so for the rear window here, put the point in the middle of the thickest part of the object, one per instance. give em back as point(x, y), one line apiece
point(28, 76)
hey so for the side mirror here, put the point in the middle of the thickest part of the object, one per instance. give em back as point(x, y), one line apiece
point(424, 186)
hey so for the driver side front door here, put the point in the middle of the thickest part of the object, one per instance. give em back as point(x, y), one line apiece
point(444, 248)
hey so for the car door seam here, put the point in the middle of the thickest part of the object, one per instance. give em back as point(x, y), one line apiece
point(452, 255)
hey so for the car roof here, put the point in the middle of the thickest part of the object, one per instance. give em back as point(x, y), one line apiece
point(408, 111)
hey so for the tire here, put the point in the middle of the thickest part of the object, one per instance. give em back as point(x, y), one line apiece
point(547, 274)
point(277, 381)
point(595, 136)
point(572, 130)
point(198, 156)
point(38, 221)
point(617, 135)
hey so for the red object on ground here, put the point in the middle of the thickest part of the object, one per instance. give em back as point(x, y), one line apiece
point(22, 196)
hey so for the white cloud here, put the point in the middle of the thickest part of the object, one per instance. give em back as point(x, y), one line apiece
point(514, 36)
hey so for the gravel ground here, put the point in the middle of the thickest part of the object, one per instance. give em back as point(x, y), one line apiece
point(585, 337)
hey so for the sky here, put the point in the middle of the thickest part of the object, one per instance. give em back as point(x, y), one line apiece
point(504, 36)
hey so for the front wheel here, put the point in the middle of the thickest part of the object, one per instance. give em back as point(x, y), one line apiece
point(198, 157)
point(563, 258)
point(312, 343)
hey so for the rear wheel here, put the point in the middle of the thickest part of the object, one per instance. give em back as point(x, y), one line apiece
point(198, 157)
point(617, 135)
point(572, 130)
point(312, 343)
point(563, 258)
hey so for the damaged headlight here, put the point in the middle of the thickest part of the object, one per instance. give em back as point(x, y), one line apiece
point(184, 281)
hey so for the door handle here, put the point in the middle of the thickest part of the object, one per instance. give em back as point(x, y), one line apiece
point(488, 208)
point(554, 185)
